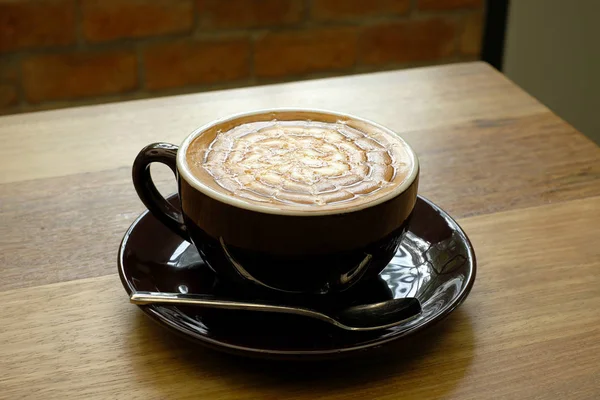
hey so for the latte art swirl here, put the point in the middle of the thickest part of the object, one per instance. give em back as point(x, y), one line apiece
point(303, 163)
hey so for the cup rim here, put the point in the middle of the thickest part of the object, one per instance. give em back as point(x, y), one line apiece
point(186, 174)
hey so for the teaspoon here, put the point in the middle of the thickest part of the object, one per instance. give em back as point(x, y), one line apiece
point(364, 317)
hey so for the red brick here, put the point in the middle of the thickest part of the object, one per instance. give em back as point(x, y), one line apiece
point(448, 4)
point(29, 24)
point(104, 20)
point(407, 41)
point(8, 95)
point(238, 14)
point(192, 63)
point(81, 74)
point(329, 10)
point(470, 39)
point(293, 53)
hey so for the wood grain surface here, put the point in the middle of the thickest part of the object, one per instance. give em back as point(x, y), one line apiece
point(530, 329)
point(524, 184)
point(99, 138)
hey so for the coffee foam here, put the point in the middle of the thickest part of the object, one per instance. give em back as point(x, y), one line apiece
point(301, 164)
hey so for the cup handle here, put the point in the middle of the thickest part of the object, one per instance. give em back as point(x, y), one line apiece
point(164, 211)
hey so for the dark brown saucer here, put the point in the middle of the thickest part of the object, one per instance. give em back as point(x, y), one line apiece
point(435, 263)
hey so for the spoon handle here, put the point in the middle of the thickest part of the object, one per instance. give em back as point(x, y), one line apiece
point(144, 298)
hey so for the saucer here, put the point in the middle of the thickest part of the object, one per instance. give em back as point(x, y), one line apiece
point(435, 263)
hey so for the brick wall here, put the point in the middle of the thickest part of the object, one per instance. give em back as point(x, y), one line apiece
point(56, 53)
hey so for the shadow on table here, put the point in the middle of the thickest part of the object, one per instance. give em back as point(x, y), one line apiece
point(433, 362)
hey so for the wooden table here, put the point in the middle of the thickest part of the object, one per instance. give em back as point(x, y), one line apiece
point(523, 183)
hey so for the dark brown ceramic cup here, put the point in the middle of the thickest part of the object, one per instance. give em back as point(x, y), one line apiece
point(285, 251)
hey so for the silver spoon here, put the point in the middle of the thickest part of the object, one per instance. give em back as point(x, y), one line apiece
point(364, 317)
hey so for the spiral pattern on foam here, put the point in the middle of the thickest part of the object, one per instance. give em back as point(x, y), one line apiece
point(301, 162)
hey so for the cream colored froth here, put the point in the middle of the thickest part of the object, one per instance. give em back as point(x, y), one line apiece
point(299, 164)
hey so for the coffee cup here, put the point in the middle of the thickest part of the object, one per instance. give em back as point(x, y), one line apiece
point(291, 201)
